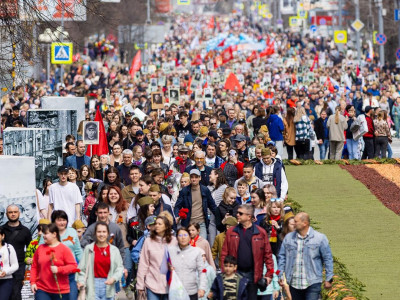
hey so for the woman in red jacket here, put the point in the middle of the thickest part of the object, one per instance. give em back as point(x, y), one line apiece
point(55, 262)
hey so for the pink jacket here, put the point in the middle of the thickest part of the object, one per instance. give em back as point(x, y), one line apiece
point(151, 257)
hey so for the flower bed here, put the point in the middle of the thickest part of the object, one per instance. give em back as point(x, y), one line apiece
point(375, 178)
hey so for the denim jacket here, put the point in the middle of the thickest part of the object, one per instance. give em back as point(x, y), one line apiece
point(316, 253)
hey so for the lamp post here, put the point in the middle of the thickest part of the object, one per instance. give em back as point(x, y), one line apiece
point(48, 37)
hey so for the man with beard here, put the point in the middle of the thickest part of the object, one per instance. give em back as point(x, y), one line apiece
point(19, 237)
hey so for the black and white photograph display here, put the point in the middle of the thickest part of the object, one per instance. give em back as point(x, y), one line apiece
point(157, 100)
point(91, 133)
point(18, 188)
point(174, 96)
point(61, 119)
point(45, 145)
point(71, 103)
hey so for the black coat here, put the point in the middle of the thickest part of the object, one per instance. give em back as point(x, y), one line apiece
point(19, 237)
point(319, 129)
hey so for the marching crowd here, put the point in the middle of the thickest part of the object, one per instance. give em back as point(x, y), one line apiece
point(188, 202)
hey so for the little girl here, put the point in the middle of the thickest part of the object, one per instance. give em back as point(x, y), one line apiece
point(273, 224)
point(228, 206)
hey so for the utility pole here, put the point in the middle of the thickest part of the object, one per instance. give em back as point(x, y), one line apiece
point(398, 31)
point(62, 37)
point(148, 21)
point(381, 30)
point(357, 2)
point(340, 14)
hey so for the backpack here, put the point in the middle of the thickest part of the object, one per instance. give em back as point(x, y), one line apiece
point(135, 252)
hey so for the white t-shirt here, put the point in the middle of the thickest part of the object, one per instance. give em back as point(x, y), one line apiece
point(210, 161)
point(64, 198)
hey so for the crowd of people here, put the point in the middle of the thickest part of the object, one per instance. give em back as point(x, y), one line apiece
point(195, 191)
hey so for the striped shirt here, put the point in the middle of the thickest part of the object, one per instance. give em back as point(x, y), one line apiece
point(299, 279)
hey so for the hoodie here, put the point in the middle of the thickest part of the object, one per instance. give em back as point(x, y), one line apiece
point(275, 127)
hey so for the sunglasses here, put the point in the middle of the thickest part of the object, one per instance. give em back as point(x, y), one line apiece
point(213, 123)
point(240, 213)
point(275, 200)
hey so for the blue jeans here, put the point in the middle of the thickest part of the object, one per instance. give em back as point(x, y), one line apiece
point(323, 149)
point(352, 148)
point(154, 296)
point(128, 264)
point(100, 289)
point(251, 286)
point(310, 293)
point(73, 289)
point(42, 295)
point(389, 151)
point(203, 230)
point(6, 287)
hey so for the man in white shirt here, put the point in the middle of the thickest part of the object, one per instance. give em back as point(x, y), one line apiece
point(65, 196)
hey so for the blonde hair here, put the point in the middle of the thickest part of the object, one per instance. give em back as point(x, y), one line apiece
point(337, 112)
point(226, 193)
point(300, 112)
point(269, 206)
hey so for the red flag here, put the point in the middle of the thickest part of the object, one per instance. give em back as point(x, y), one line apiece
point(232, 84)
point(252, 56)
point(136, 64)
point(227, 55)
point(189, 91)
point(358, 71)
point(211, 24)
point(222, 43)
point(217, 61)
point(316, 61)
point(329, 84)
point(197, 60)
point(269, 50)
point(102, 147)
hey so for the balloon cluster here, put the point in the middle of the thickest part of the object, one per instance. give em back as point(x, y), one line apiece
point(104, 46)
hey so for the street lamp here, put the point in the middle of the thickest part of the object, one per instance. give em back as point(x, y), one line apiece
point(48, 37)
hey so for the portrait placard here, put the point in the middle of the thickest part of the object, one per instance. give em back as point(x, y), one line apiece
point(91, 132)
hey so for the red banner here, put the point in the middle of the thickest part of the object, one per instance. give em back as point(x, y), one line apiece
point(163, 6)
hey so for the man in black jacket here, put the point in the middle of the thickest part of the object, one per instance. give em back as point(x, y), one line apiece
point(19, 237)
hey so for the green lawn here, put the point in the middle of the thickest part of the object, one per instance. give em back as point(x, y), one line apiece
point(363, 233)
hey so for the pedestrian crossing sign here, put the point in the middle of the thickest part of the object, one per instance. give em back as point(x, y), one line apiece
point(183, 2)
point(61, 53)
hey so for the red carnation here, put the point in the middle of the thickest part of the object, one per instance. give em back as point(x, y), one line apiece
point(134, 224)
point(182, 215)
point(179, 160)
point(204, 271)
point(34, 243)
point(185, 210)
point(278, 272)
point(76, 270)
point(168, 175)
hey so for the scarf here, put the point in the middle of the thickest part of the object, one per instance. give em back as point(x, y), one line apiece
point(193, 241)
point(273, 238)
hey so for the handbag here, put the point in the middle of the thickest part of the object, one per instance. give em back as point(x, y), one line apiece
point(82, 290)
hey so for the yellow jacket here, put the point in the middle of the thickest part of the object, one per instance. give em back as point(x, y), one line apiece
point(217, 246)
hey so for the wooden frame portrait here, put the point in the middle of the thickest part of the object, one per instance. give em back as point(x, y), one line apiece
point(157, 100)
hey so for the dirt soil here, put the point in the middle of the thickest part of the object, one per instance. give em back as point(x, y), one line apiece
point(384, 189)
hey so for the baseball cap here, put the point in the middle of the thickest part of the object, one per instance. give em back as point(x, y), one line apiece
point(368, 108)
point(239, 138)
point(195, 172)
point(62, 169)
point(183, 148)
point(139, 132)
point(151, 220)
